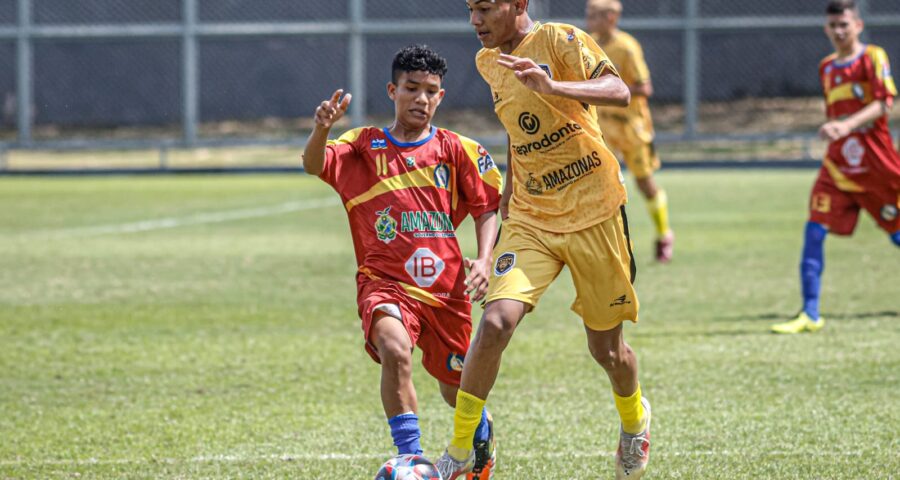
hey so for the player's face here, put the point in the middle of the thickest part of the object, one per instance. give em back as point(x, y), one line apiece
point(843, 30)
point(416, 97)
point(601, 22)
point(494, 22)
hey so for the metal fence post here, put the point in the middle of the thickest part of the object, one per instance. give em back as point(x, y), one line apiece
point(190, 77)
point(357, 67)
point(24, 65)
point(691, 67)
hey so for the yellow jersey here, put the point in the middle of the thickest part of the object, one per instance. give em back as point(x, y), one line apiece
point(627, 55)
point(565, 178)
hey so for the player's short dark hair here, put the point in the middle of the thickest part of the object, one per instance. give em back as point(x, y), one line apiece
point(418, 58)
point(837, 7)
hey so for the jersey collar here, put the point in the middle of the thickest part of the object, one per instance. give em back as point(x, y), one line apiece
point(421, 142)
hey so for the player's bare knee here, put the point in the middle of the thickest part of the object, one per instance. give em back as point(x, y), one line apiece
point(394, 352)
point(496, 329)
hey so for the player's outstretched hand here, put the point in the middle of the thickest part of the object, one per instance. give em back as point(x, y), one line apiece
point(330, 111)
point(477, 279)
point(528, 72)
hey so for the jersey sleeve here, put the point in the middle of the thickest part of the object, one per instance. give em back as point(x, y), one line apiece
point(637, 65)
point(478, 178)
point(579, 52)
point(337, 155)
point(883, 86)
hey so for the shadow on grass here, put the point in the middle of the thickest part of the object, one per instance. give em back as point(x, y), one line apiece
point(828, 316)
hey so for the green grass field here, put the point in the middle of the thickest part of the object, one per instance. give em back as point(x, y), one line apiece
point(205, 327)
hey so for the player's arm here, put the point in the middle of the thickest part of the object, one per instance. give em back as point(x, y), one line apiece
point(507, 187)
point(327, 113)
point(838, 129)
point(642, 89)
point(479, 269)
point(606, 90)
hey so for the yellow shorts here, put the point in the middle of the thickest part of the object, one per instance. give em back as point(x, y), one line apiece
point(633, 140)
point(528, 259)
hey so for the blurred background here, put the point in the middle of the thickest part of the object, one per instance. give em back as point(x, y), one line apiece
point(167, 84)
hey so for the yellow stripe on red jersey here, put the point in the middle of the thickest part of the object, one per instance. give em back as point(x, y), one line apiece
point(405, 201)
point(566, 179)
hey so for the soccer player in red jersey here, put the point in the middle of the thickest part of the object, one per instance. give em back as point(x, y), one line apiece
point(861, 169)
point(406, 189)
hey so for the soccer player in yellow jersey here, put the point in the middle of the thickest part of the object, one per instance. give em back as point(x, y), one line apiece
point(630, 130)
point(563, 205)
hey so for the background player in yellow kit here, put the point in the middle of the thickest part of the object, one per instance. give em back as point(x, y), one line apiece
point(630, 130)
point(565, 207)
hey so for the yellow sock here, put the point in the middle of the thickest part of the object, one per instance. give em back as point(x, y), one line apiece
point(631, 411)
point(659, 212)
point(465, 422)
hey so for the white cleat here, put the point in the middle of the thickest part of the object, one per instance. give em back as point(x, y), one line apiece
point(450, 468)
point(634, 451)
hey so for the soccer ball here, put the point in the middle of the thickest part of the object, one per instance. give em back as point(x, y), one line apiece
point(408, 467)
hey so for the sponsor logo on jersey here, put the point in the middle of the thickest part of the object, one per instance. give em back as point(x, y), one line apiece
point(504, 264)
point(858, 92)
point(853, 152)
point(546, 68)
point(379, 144)
point(423, 224)
point(442, 176)
point(455, 362)
point(529, 123)
point(550, 140)
point(572, 172)
point(424, 267)
point(533, 186)
point(889, 213)
point(385, 226)
point(485, 161)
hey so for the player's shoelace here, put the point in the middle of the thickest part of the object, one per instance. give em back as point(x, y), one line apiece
point(634, 450)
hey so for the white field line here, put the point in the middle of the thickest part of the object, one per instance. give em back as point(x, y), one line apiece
point(176, 222)
point(378, 456)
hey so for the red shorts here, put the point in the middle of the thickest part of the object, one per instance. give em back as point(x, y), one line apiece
point(442, 333)
point(838, 210)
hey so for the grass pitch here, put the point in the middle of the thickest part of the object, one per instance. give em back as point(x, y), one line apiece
point(205, 327)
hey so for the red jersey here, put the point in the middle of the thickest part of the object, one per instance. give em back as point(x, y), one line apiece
point(866, 158)
point(405, 201)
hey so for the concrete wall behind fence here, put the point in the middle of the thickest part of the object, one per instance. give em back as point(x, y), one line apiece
point(137, 81)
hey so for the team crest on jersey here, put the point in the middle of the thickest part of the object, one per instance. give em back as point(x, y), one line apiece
point(410, 162)
point(853, 151)
point(858, 92)
point(442, 176)
point(546, 68)
point(385, 226)
point(379, 144)
point(838, 79)
point(504, 264)
point(889, 213)
point(533, 186)
point(485, 162)
point(571, 34)
point(455, 362)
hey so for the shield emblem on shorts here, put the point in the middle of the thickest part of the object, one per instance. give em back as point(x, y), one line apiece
point(889, 213)
point(504, 264)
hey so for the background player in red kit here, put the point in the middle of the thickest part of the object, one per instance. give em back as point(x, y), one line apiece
point(406, 188)
point(861, 169)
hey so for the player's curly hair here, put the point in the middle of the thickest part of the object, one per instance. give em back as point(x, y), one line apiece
point(418, 58)
point(837, 7)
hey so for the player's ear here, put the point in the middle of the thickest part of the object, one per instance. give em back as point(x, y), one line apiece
point(391, 90)
point(441, 96)
point(521, 6)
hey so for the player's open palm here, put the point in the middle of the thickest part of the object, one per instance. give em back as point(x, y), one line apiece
point(333, 109)
point(477, 279)
point(528, 72)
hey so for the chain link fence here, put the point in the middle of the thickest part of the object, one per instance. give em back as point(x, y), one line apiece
point(192, 72)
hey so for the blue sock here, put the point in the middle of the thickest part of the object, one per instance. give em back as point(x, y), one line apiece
point(406, 433)
point(811, 266)
point(896, 238)
point(483, 432)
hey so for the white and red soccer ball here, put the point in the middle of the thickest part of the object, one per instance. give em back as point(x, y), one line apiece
point(408, 467)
